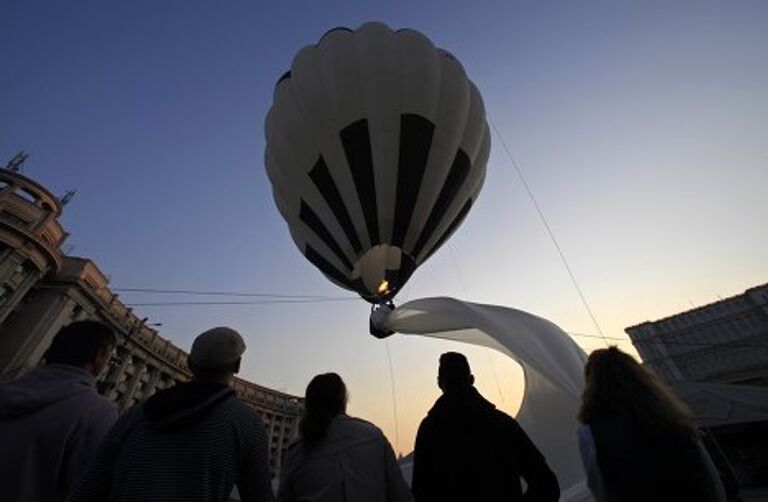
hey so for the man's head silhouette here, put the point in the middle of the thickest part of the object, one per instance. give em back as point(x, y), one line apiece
point(454, 372)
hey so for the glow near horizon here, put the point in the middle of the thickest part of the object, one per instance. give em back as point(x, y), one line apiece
point(642, 130)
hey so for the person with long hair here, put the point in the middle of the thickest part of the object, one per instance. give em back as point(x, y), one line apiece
point(638, 441)
point(338, 457)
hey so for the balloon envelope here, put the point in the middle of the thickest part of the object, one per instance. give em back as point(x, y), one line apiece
point(377, 144)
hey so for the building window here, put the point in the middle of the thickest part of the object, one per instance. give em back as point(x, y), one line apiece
point(26, 195)
point(14, 219)
point(5, 294)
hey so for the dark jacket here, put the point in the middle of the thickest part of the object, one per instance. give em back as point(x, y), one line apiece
point(468, 450)
point(192, 442)
point(636, 466)
point(51, 421)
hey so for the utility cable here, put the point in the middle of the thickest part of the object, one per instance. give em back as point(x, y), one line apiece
point(549, 229)
point(227, 293)
point(279, 298)
point(326, 300)
point(672, 342)
point(254, 302)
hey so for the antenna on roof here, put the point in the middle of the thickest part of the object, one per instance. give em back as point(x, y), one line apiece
point(68, 197)
point(17, 162)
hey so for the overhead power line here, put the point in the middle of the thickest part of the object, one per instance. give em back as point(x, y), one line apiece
point(230, 293)
point(672, 342)
point(584, 335)
point(254, 302)
point(282, 299)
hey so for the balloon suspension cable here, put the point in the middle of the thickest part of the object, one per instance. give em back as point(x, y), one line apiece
point(394, 396)
point(548, 228)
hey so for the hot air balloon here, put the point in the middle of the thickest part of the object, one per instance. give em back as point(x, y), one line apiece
point(376, 147)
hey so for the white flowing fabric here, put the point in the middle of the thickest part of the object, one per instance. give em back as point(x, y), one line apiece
point(551, 361)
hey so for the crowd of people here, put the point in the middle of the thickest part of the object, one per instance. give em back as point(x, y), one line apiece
point(196, 441)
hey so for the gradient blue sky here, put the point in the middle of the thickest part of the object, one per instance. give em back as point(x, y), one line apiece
point(642, 128)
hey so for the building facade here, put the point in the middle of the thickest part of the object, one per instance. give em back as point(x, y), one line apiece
point(723, 342)
point(43, 289)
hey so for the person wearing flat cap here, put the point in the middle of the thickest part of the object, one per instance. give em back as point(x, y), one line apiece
point(193, 442)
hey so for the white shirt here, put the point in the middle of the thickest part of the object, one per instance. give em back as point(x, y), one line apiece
point(354, 462)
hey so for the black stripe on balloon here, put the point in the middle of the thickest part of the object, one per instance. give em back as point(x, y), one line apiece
point(321, 177)
point(407, 267)
point(285, 76)
point(415, 143)
point(313, 221)
point(357, 147)
point(456, 177)
point(392, 276)
point(326, 267)
point(358, 286)
point(448, 231)
point(329, 270)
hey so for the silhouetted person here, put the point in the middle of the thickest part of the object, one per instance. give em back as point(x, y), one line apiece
point(468, 450)
point(339, 458)
point(192, 442)
point(52, 419)
point(638, 441)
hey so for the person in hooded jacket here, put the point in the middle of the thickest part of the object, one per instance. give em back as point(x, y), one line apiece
point(339, 458)
point(52, 418)
point(466, 449)
point(192, 442)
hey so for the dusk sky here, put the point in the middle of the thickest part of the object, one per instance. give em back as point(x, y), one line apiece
point(641, 128)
